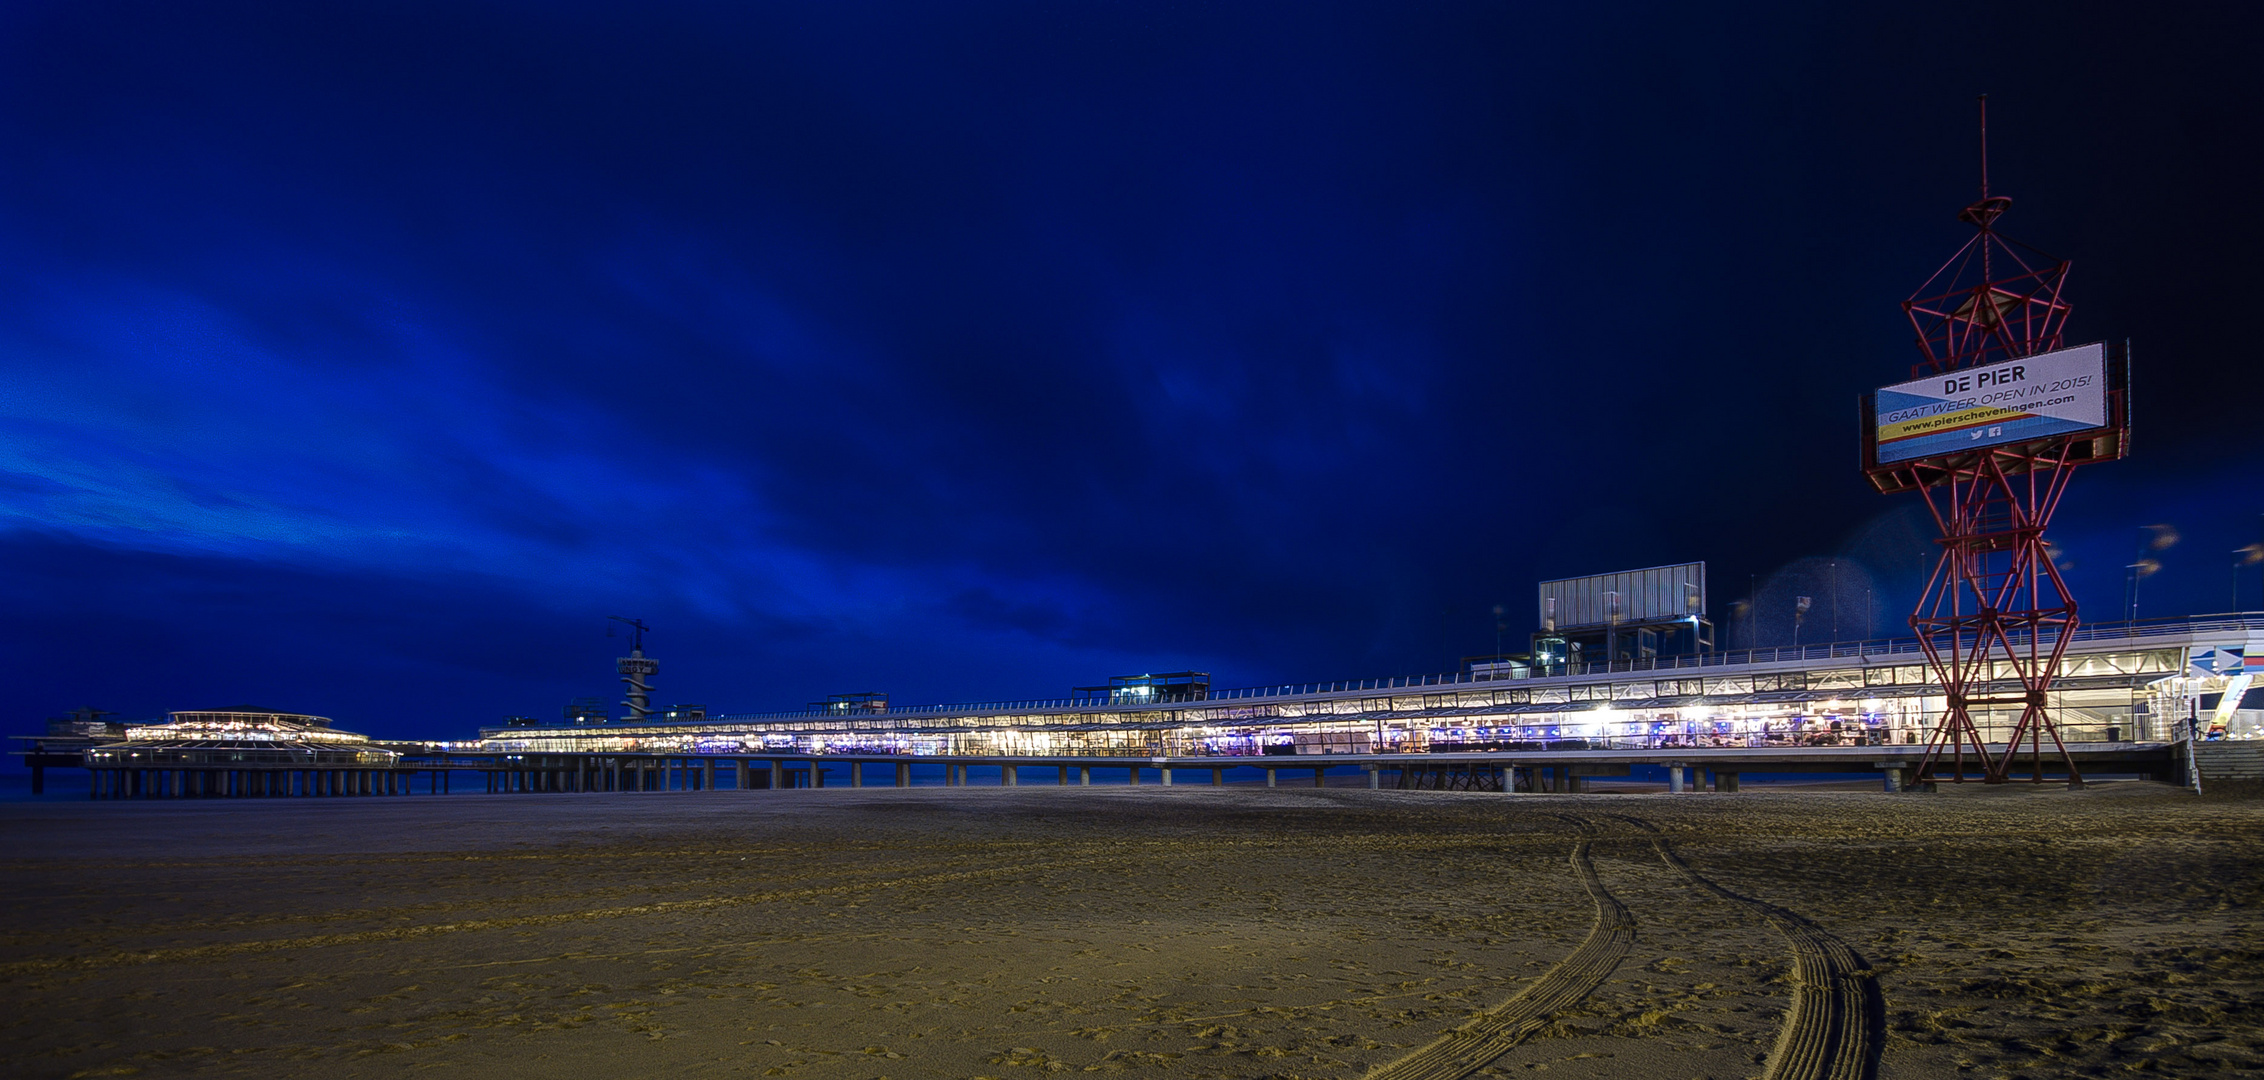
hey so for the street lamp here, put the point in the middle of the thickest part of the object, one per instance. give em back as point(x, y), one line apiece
point(2152, 538)
point(2251, 555)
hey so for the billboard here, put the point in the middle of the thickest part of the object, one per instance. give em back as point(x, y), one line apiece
point(1656, 594)
point(2054, 393)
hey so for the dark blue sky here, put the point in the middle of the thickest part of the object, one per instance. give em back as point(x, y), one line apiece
point(360, 358)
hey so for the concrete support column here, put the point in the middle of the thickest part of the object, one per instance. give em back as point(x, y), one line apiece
point(777, 774)
point(1135, 776)
point(1218, 777)
point(903, 774)
point(1166, 771)
point(707, 775)
point(1061, 778)
point(1084, 776)
point(1269, 777)
point(1009, 775)
point(856, 774)
point(1727, 780)
point(1375, 777)
point(1674, 779)
point(1319, 776)
point(817, 774)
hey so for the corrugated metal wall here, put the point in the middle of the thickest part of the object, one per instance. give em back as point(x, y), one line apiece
point(1655, 594)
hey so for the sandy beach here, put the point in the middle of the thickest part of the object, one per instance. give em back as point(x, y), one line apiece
point(1234, 932)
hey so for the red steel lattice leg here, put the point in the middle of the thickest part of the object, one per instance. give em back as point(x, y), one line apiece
point(1995, 619)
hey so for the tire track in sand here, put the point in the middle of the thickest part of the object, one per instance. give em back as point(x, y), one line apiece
point(1836, 1026)
point(1464, 1050)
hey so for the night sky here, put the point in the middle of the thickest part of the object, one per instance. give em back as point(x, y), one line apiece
point(360, 359)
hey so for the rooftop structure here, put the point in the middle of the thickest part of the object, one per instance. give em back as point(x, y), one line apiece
point(1628, 615)
point(1150, 689)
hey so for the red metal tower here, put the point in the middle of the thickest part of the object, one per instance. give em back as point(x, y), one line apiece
point(1996, 617)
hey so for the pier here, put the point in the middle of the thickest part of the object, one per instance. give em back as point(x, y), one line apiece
point(1558, 771)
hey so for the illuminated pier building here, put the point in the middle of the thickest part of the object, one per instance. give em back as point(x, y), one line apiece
point(2134, 687)
point(240, 752)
